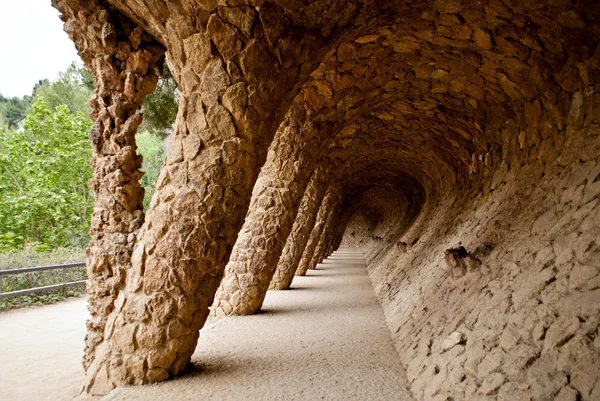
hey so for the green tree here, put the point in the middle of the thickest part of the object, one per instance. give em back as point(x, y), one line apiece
point(44, 167)
point(160, 108)
point(44, 170)
point(14, 109)
point(71, 89)
point(151, 147)
point(40, 83)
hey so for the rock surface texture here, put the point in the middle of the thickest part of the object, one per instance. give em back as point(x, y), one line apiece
point(456, 142)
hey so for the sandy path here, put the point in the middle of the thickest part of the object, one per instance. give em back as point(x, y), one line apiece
point(41, 350)
point(323, 340)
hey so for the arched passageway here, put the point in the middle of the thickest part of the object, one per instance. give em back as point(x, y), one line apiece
point(457, 141)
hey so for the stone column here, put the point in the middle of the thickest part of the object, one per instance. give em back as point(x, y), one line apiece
point(296, 241)
point(324, 210)
point(326, 232)
point(122, 59)
point(340, 232)
point(329, 234)
point(275, 201)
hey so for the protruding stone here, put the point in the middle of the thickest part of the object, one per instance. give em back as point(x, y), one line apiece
point(491, 384)
point(482, 39)
point(452, 340)
point(567, 393)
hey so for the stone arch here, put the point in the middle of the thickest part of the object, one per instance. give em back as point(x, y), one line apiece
point(455, 123)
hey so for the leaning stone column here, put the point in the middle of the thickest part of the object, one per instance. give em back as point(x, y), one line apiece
point(122, 59)
point(296, 241)
point(324, 210)
point(325, 235)
point(324, 248)
point(335, 232)
point(275, 201)
point(340, 232)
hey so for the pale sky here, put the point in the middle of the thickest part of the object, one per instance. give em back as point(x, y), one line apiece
point(33, 45)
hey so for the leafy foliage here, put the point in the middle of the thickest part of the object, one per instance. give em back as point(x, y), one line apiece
point(44, 164)
point(71, 89)
point(160, 108)
point(151, 147)
point(44, 170)
point(13, 109)
point(29, 256)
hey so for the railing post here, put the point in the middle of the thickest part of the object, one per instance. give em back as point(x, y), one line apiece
point(64, 290)
point(0, 283)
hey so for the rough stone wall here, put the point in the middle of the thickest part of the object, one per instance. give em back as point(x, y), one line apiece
point(525, 324)
point(357, 232)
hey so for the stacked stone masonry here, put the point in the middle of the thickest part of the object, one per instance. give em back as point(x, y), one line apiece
point(298, 237)
point(456, 142)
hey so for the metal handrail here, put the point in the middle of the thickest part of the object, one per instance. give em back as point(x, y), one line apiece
point(64, 285)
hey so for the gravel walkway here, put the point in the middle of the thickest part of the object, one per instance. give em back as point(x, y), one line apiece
point(325, 339)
